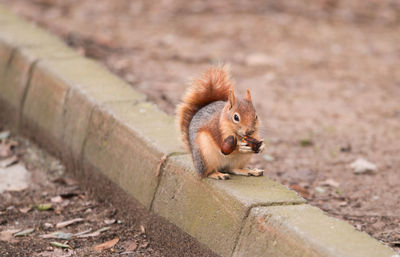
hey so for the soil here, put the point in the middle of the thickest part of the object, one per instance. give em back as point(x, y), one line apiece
point(324, 76)
point(50, 185)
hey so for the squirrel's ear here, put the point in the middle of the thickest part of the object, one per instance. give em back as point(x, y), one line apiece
point(231, 99)
point(248, 96)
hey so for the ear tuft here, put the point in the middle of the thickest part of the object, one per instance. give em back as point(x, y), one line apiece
point(231, 99)
point(248, 96)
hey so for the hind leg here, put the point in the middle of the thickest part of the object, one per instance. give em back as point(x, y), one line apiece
point(210, 156)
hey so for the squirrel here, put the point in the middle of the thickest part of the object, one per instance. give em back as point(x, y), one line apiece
point(219, 130)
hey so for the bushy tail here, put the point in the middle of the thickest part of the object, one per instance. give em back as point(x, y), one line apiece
point(213, 85)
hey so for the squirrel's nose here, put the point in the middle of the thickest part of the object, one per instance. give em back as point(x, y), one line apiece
point(249, 132)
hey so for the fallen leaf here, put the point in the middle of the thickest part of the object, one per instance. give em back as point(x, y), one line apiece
point(362, 166)
point(95, 233)
point(145, 245)
point(47, 225)
point(106, 245)
point(58, 235)
point(51, 252)
point(68, 222)
point(320, 190)
point(24, 232)
point(25, 209)
point(110, 221)
point(8, 162)
point(44, 207)
point(132, 247)
point(330, 182)
point(83, 232)
point(60, 245)
point(300, 190)
point(56, 199)
point(142, 229)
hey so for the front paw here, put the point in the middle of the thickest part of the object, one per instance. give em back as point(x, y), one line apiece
point(244, 148)
point(261, 148)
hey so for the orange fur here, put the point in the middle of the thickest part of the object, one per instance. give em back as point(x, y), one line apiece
point(214, 85)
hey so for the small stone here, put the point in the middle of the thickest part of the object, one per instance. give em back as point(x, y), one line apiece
point(330, 182)
point(362, 166)
point(109, 221)
point(47, 225)
point(320, 190)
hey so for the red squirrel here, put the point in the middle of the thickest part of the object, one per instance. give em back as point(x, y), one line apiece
point(220, 131)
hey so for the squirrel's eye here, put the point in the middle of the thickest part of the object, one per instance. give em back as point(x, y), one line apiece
point(236, 118)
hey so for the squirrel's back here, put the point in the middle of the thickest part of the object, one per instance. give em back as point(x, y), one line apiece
point(214, 85)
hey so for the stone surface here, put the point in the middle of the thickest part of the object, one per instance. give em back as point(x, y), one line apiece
point(209, 210)
point(42, 114)
point(91, 85)
point(5, 55)
point(17, 32)
point(16, 76)
point(302, 230)
point(126, 142)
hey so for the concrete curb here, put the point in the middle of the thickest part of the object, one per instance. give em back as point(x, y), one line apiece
point(104, 130)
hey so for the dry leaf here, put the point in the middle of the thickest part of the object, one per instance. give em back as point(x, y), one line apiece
point(132, 247)
point(145, 245)
point(56, 199)
point(96, 233)
point(142, 229)
point(60, 245)
point(300, 190)
point(44, 207)
point(24, 232)
point(330, 182)
point(106, 245)
point(83, 232)
point(68, 222)
point(109, 222)
point(25, 210)
point(58, 235)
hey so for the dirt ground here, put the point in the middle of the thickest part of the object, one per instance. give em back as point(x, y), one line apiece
point(324, 76)
point(48, 184)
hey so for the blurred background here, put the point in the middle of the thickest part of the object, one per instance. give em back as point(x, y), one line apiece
point(324, 75)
